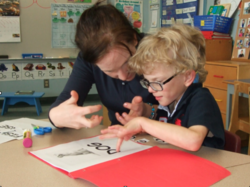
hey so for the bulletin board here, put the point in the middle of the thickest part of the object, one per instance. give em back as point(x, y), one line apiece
point(177, 10)
point(36, 32)
point(241, 50)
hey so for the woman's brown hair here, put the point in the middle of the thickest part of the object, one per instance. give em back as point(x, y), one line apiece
point(99, 28)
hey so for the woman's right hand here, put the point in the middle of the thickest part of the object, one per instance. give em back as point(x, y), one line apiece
point(69, 114)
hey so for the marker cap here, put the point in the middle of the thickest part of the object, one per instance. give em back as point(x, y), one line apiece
point(27, 142)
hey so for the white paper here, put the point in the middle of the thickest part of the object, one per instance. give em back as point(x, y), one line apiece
point(180, 21)
point(10, 29)
point(25, 123)
point(234, 5)
point(169, 22)
point(86, 152)
point(9, 131)
point(189, 9)
point(179, 1)
point(178, 11)
point(13, 129)
point(169, 2)
point(187, 20)
point(188, 1)
point(142, 141)
point(4, 138)
point(154, 18)
point(159, 141)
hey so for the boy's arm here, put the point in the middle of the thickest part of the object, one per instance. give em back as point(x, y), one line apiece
point(187, 138)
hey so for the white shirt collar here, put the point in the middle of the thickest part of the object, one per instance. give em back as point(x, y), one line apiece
point(166, 108)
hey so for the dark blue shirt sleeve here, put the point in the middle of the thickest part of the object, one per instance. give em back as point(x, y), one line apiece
point(80, 80)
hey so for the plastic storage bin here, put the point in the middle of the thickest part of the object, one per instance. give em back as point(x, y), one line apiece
point(213, 23)
point(32, 55)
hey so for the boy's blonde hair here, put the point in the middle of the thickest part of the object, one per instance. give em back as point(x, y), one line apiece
point(181, 45)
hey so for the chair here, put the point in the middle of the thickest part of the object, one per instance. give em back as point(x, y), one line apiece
point(240, 111)
point(106, 122)
point(232, 142)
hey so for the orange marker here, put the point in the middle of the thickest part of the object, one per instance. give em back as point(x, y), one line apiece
point(27, 142)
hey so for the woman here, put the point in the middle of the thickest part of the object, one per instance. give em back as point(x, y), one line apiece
point(106, 40)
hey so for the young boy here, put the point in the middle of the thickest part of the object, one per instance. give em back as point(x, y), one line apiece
point(188, 115)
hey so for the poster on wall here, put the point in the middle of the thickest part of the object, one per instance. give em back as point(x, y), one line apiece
point(10, 21)
point(132, 9)
point(9, 8)
point(64, 18)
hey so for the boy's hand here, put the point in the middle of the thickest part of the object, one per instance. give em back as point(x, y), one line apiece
point(136, 109)
point(122, 132)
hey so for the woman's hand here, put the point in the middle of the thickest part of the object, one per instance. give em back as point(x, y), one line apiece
point(122, 132)
point(69, 114)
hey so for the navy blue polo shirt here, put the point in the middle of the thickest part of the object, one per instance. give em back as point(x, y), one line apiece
point(197, 107)
point(113, 92)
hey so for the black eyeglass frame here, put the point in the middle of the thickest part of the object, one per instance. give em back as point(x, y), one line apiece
point(145, 83)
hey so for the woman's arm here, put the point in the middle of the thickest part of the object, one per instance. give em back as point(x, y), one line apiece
point(67, 110)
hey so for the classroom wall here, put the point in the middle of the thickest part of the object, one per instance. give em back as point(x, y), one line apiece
point(36, 38)
point(35, 24)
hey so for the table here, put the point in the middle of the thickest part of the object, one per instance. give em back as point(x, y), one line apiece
point(11, 99)
point(230, 92)
point(18, 168)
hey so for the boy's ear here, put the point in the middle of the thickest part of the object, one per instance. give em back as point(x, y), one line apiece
point(189, 77)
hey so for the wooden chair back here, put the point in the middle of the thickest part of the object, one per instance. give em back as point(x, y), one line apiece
point(105, 121)
point(240, 110)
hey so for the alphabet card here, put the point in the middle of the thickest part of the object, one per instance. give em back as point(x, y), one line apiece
point(10, 72)
point(35, 70)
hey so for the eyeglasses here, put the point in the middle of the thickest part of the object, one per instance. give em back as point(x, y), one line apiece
point(156, 86)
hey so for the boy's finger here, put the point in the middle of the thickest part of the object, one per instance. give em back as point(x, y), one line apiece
point(127, 117)
point(118, 145)
point(120, 119)
point(110, 131)
point(137, 100)
point(135, 105)
point(128, 105)
point(107, 136)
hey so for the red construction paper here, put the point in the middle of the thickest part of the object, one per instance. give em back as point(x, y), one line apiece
point(153, 167)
